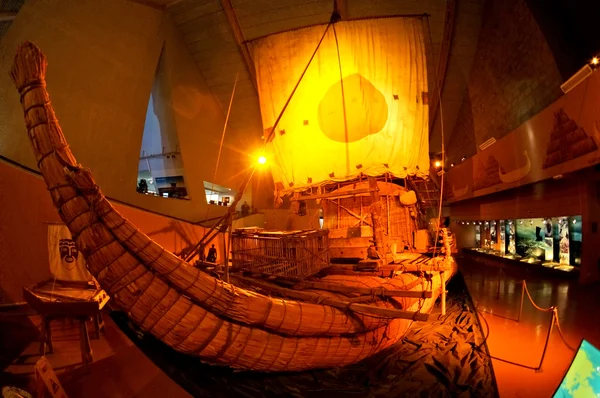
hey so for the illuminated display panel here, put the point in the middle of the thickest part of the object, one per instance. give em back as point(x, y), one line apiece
point(583, 376)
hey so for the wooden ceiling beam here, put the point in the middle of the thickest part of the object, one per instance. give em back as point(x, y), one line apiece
point(240, 40)
point(7, 16)
point(150, 4)
point(341, 6)
point(442, 66)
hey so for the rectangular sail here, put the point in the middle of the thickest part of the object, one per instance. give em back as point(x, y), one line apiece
point(361, 106)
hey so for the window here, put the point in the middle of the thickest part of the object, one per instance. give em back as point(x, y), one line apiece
point(160, 170)
point(217, 194)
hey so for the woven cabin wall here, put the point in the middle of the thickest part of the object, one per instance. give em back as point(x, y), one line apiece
point(400, 225)
point(295, 254)
point(336, 212)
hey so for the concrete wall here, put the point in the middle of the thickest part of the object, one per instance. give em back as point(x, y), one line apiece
point(514, 76)
point(102, 59)
point(26, 207)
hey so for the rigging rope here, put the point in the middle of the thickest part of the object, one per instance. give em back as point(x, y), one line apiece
point(212, 186)
point(439, 94)
point(337, 47)
point(268, 138)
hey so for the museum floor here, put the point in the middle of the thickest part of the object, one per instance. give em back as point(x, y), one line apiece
point(122, 369)
point(497, 291)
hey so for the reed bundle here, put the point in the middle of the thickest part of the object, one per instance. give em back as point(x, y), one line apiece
point(180, 305)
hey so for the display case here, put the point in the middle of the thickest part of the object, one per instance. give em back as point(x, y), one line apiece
point(552, 242)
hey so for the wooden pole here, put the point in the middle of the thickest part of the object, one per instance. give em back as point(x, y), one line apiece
point(225, 265)
point(214, 230)
point(378, 233)
point(227, 227)
point(443, 294)
point(343, 305)
point(380, 292)
point(333, 195)
point(522, 297)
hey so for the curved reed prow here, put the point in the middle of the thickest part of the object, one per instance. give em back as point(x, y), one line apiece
point(29, 67)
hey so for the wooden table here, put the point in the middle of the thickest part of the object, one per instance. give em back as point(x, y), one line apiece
point(61, 299)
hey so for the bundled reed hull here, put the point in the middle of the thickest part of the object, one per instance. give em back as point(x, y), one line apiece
point(187, 309)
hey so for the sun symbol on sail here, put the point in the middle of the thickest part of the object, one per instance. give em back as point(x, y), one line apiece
point(352, 109)
point(516, 174)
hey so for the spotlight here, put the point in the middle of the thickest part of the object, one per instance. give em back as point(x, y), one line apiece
point(595, 61)
point(451, 164)
point(262, 159)
point(437, 163)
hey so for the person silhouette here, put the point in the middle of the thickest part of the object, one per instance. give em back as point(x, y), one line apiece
point(212, 255)
point(245, 209)
point(142, 186)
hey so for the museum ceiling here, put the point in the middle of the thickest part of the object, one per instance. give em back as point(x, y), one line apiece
point(217, 31)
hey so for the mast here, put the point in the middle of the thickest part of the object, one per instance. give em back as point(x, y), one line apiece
point(379, 236)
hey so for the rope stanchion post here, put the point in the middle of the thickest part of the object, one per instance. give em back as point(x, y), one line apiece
point(553, 321)
point(550, 328)
point(522, 298)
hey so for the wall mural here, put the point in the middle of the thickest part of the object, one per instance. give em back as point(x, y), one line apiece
point(531, 238)
point(548, 239)
point(567, 141)
point(562, 138)
point(516, 174)
point(511, 234)
point(575, 231)
point(502, 238)
point(493, 234)
point(567, 239)
point(552, 242)
point(563, 240)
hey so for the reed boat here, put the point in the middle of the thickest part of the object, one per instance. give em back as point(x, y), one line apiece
point(249, 324)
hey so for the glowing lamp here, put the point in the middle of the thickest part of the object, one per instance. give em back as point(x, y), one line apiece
point(437, 163)
point(262, 160)
point(595, 61)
